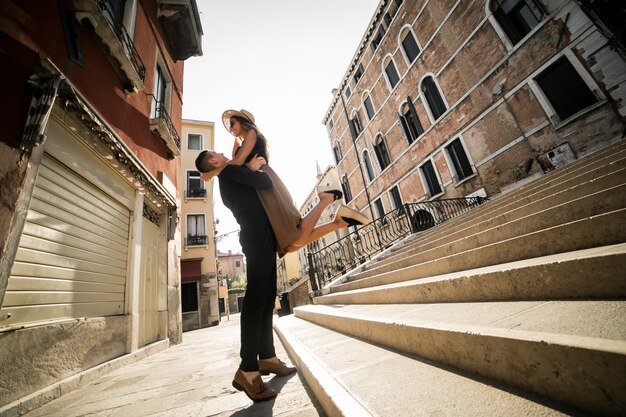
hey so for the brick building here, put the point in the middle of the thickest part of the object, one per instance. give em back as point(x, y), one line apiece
point(89, 259)
point(448, 99)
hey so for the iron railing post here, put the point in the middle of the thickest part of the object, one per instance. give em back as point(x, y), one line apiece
point(312, 278)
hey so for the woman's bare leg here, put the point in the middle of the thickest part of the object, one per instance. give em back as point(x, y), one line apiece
point(307, 225)
point(317, 233)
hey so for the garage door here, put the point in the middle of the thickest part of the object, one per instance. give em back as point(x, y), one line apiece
point(71, 260)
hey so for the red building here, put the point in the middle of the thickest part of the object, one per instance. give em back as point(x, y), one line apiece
point(89, 147)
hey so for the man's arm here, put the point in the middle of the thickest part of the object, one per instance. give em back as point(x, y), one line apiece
point(255, 179)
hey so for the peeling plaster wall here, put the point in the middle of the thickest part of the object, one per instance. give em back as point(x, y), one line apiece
point(34, 358)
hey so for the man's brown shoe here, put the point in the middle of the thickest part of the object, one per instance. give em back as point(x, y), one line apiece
point(280, 368)
point(257, 391)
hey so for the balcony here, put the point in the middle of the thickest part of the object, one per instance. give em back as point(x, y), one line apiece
point(180, 22)
point(161, 125)
point(109, 27)
point(195, 193)
point(196, 241)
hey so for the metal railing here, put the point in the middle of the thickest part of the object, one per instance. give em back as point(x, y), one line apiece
point(195, 193)
point(196, 240)
point(161, 113)
point(127, 43)
point(367, 241)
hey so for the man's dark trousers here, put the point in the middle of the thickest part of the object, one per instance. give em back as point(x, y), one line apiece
point(259, 246)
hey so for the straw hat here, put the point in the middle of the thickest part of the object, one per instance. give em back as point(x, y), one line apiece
point(244, 114)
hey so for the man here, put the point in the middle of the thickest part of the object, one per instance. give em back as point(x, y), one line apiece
point(238, 187)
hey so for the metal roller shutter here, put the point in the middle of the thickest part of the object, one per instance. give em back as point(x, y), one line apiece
point(71, 260)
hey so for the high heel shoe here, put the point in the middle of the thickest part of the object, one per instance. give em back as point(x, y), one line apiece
point(351, 216)
point(337, 194)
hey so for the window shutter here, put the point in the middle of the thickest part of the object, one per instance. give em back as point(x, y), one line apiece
point(352, 129)
point(405, 128)
point(419, 127)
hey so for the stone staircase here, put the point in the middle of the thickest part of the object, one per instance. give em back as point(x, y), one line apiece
point(515, 308)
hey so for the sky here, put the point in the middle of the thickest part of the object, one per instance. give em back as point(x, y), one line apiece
point(279, 59)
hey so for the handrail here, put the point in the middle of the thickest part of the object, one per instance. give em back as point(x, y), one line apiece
point(361, 245)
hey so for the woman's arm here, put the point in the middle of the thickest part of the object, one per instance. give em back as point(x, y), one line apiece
point(245, 149)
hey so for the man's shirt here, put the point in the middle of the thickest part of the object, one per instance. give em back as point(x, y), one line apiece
point(238, 187)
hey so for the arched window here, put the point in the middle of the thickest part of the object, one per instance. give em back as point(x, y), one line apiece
point(345, 185)
point(355, 124)
point(516, 17)
point(391, 73)
point(368, 166)
point(409, 44)
point(433, 98)
point(369, 107)
point(430, 178)
point(382, 154)
point(411, 125)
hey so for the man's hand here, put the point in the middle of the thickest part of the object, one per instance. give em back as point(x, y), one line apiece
point(256, 163)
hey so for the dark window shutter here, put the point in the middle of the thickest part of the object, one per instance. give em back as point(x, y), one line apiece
point(405, 128)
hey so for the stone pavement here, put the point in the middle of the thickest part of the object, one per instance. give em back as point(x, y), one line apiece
point(190, 379)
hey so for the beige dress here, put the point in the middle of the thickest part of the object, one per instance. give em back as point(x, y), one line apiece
point(281, 211)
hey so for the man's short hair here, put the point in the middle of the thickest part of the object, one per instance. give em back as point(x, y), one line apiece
point(202, 161)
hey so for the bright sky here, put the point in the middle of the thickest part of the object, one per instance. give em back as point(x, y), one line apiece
point(279, 59)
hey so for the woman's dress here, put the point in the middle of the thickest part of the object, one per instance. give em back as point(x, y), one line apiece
point(278, 204)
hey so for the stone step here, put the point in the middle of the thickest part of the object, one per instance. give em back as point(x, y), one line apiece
point(599, 230)
point(351, 377)
point(572, 352)
point(594, 273)
point(582, 192)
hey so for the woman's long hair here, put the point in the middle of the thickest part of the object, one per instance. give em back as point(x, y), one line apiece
point(248, 125)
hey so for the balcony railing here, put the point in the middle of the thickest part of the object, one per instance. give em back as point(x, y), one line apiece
point(361, 245)
point(162, 125)
point(195, 193)
point(196, 241)
point(109, 27)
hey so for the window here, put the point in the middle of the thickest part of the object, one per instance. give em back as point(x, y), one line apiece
point(355, 125)
point(460, 162)
point(409, 121)
point(196, 231)
point(396, 198)
point(158, 93)
point(435, 102)
point(337, 153)
point(392, 73)
point(430, 177)
point(330, 125)
point(345, 185)
point(380, 209)
point(377, 39)
point(387, 19)
point(348, 92)
point(368, 166)
point(189, 296)
point(237, 264)
point(516, 17)
point(71, 34)
point(565, 89)
point(369, 108)
point(380, 148)
point(409, 46)
point(358, 74)
point(194, 142)
point(195, 185)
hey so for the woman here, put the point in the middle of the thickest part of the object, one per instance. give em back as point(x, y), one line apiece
point(292, 231)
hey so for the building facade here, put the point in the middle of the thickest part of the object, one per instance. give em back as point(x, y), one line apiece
point(90, 179)
point(328, 177)
point(199, 284)
point(454, 99)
